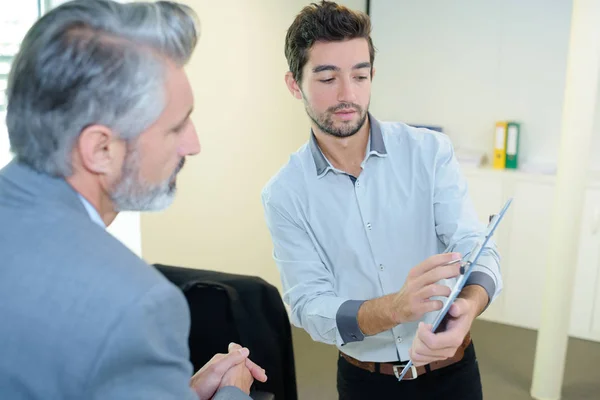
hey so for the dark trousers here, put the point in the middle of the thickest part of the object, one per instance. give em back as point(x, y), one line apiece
point(460, 380)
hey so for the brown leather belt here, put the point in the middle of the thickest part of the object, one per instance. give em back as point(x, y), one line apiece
point(394, 369)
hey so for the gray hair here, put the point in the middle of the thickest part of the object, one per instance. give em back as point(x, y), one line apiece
point(92, 62)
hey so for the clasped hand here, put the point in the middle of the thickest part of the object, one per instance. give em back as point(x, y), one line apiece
point(231, 369)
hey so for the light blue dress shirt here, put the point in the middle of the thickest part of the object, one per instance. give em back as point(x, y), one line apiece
point(93, 213)
point(341, 240)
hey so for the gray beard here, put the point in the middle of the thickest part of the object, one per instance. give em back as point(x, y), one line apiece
point(132, 194)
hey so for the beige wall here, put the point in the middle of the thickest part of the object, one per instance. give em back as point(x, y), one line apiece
point(248, 125)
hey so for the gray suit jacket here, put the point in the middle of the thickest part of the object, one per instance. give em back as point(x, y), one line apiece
point(81, 316)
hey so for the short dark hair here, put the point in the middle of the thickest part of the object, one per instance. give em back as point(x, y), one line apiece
point(324, 22)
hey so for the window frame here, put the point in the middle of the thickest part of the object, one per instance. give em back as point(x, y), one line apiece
point(5, 155)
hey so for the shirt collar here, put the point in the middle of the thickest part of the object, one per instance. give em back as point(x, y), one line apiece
point(375, 145)
point(93, 213)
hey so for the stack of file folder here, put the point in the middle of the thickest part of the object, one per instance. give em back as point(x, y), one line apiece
point(506, 145)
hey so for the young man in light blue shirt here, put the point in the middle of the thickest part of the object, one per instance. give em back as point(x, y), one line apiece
point(366, 219)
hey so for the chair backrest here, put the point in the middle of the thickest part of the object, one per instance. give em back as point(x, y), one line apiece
point(244, 309)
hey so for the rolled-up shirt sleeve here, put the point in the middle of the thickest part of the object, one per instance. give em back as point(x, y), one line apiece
point(347, 321)
point(308, 285)
point(457, 223)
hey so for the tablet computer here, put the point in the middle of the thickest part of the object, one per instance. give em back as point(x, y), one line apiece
point(469, 260)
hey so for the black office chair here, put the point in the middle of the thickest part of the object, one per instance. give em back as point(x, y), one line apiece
point(244, 309)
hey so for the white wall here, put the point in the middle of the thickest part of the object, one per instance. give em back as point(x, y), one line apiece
point(360, 5)
point(465, 64)
point(595, 148)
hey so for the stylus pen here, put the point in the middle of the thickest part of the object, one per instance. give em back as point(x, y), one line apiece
point(462, 267)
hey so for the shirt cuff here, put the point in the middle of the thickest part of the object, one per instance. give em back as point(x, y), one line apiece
point(485, 281)
point(347, 321)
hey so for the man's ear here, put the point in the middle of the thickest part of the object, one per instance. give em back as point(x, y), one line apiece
point(372, 73)
point(97, 148)
point(293, 86)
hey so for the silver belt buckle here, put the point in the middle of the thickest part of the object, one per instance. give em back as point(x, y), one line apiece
point(413, 372)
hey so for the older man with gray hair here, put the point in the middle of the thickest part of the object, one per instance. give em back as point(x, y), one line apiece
point(99, 122)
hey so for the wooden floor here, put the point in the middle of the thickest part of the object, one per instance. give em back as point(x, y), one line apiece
point(505, 357)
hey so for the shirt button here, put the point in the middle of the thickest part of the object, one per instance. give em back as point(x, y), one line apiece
point(399, 339)
point(357, 183)
point(381, 267)
point(368, 225)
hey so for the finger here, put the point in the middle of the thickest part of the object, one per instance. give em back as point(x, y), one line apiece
point(200, 375)
point(257, 372)
point(419, 355)
point(230, 360)
point(419, 360)
point(448, 340)
point(434, 290)
point(459, 308)
point(429, 306)
point(434, 344)
point(426, 337)
point(233, 346)
point(218, 357)
point(437, 274)
point(434, 355)
point(435, 261)
point(212, 361)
